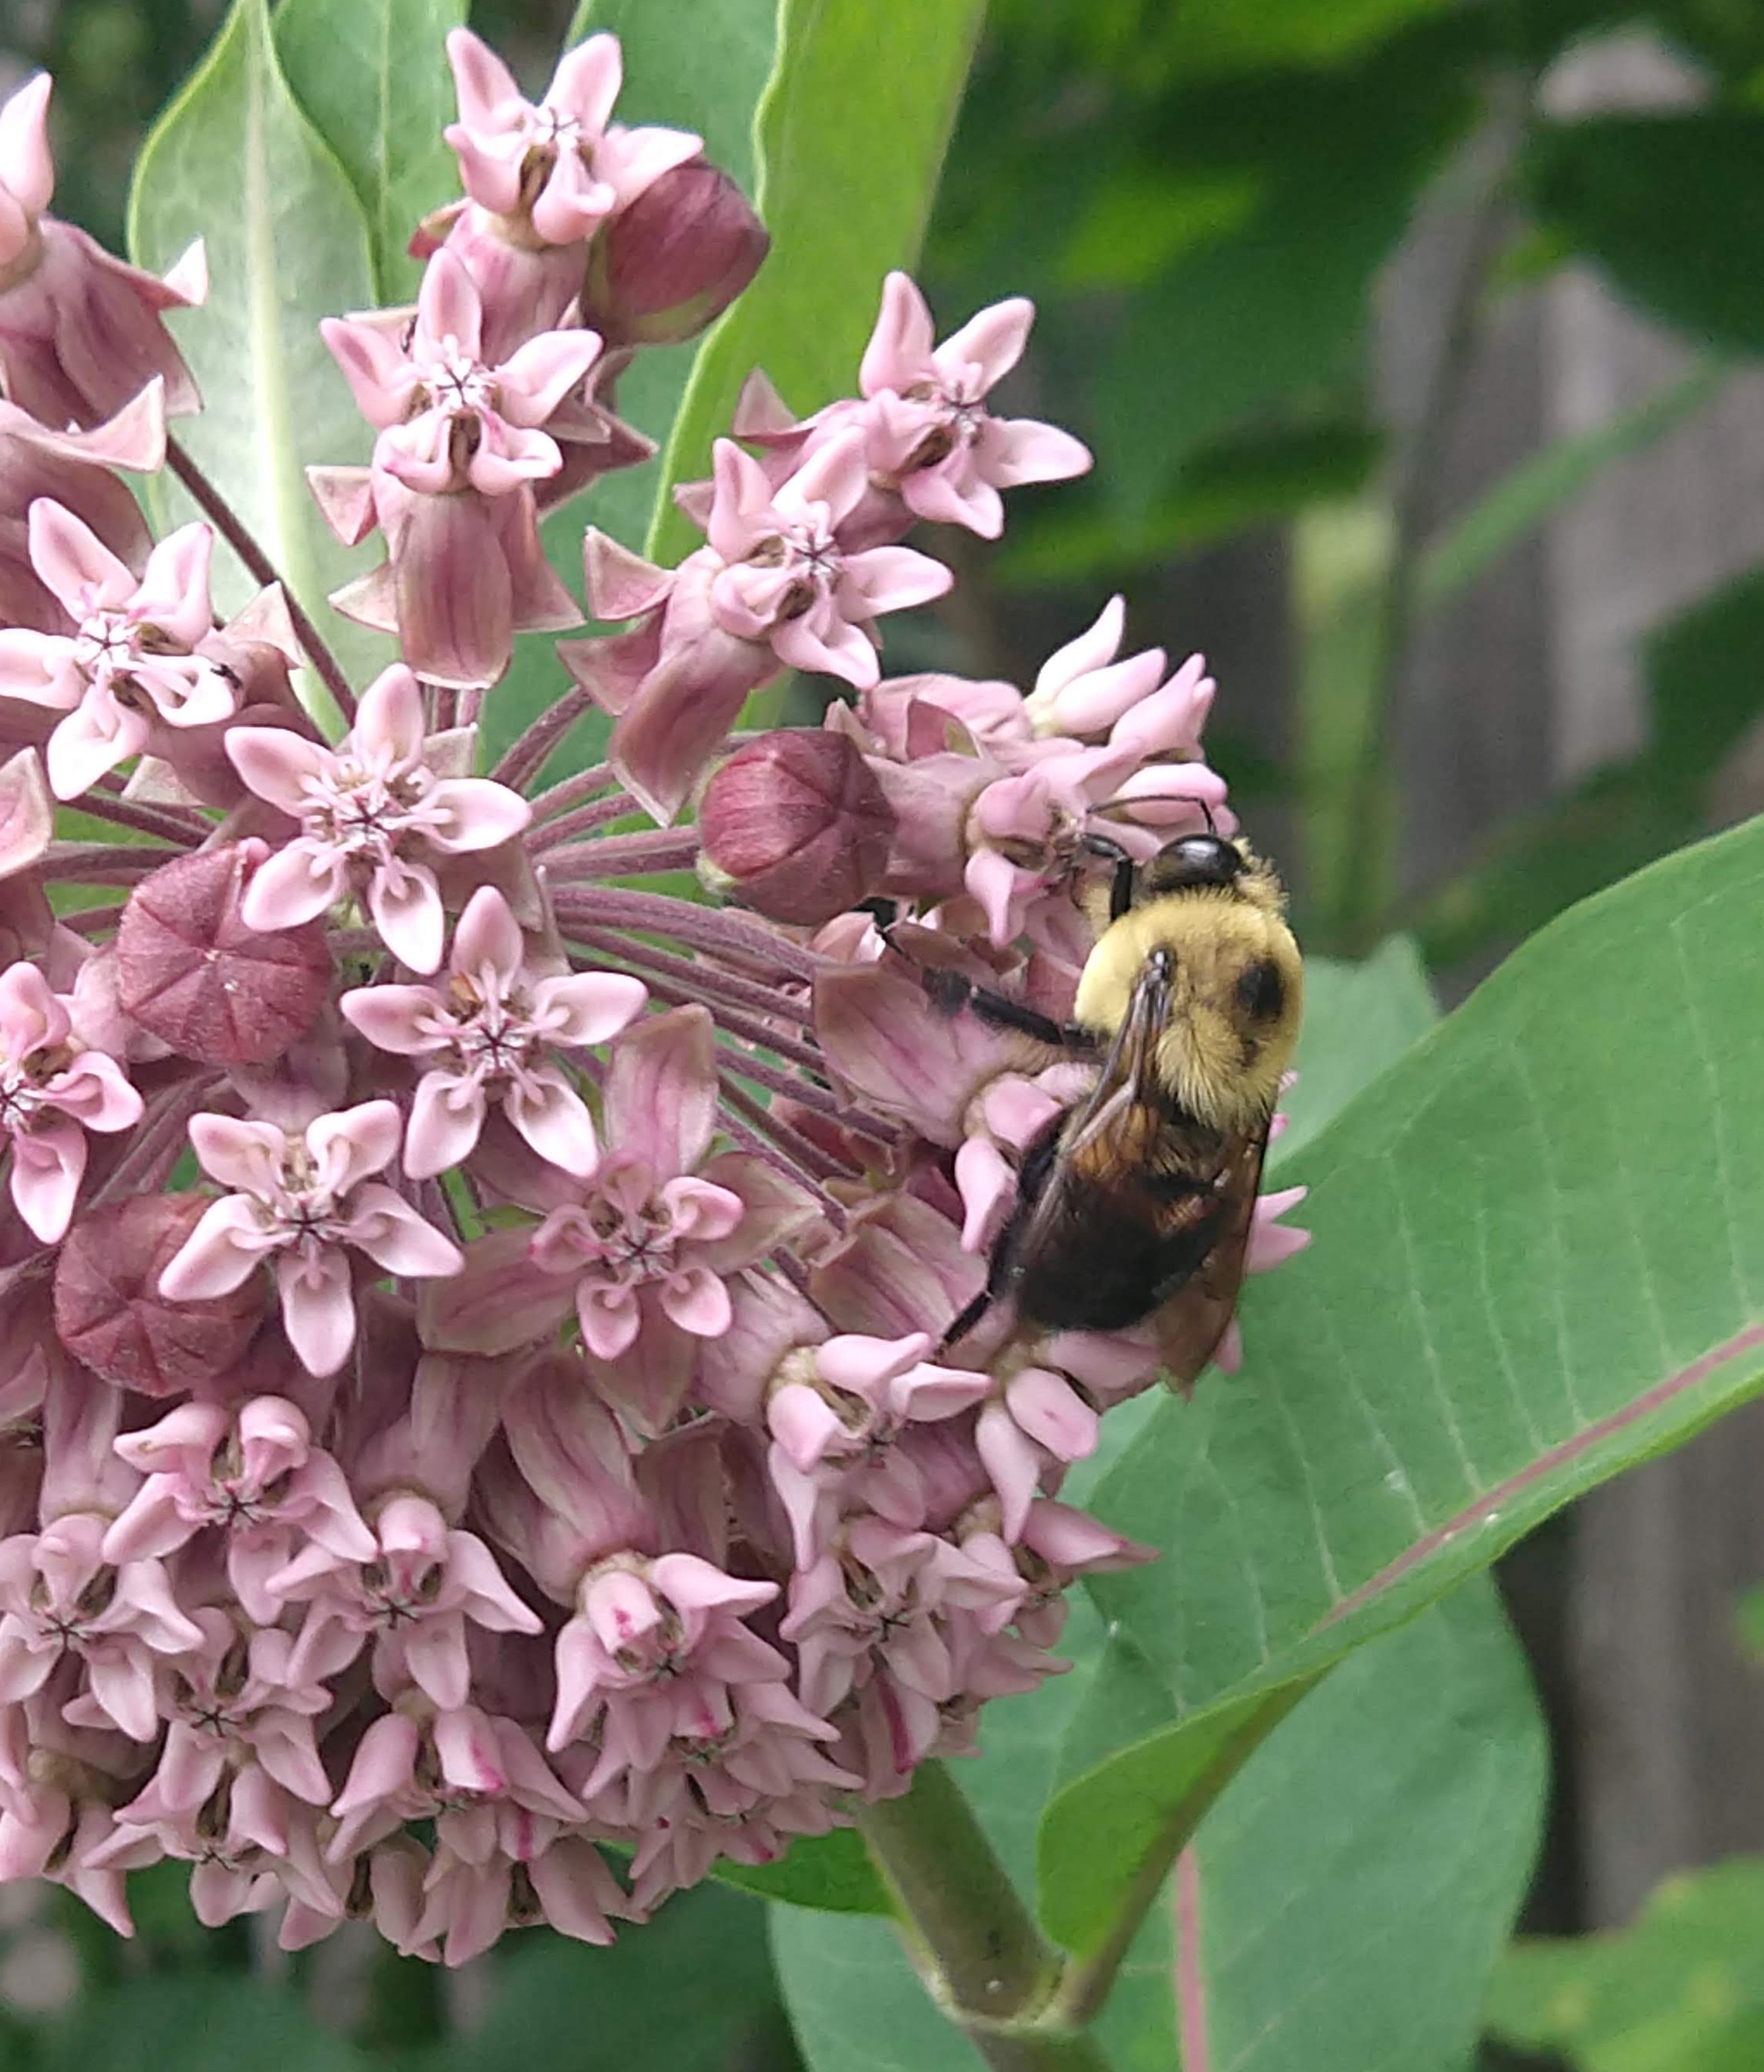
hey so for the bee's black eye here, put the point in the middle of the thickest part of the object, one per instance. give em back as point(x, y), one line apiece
point(1192, 860)
point(1261, 991)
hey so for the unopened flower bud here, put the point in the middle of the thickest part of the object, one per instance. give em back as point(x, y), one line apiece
point(662, 269)
point(795, 825)
point(191, 972)
point(109, 1313)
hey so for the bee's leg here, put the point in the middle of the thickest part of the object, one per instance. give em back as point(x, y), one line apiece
point(970, 1316)
point(951, 991)
point(1121, 888)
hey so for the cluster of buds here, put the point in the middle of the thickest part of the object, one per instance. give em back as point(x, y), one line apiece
point(473, 1445)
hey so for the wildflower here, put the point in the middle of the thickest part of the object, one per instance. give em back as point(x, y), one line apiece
point(304, 1201)
point(373, 815)
point(493, 1034)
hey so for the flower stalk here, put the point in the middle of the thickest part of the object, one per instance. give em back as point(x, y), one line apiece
point(973, 1942)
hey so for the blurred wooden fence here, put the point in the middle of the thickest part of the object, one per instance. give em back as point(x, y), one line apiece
point(1527, 682)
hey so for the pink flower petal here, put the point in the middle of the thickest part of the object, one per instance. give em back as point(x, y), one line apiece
point(587, 1007)
point(393, 1236)
point(992, 341)
point(900, 350)
point(446, 1119)
point(661, 1091)
point(317, 1306)
point(406, 903)
point(219, 1255)
point(296, 884)
point(698, 1302)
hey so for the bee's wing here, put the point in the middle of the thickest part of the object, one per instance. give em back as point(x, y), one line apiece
point(1191, 1323)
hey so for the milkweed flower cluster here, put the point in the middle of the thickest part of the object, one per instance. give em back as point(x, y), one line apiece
point(474, 1448)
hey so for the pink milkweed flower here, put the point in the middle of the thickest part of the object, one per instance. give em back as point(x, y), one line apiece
point(661, 1226)
point(564, 165)
point(653, 1651)
point(492, 1035)
point(372, 815)
point(447, 421)
point(383, 1884)
point(927, 429)
point(254, 1473)
point(60, 1597)
point(1035, 1417)
point(670, 1858)
point(305, 1201)
point(786, 577)
point(252, 1844)
point(52, 1090)
point(130, 664)
point(1027, 832)
point(423, 1584)
point(539, 1873)
point(451, 1765)
point(776, 587)
point(231, 1700)
point(886, 1606)
point(1057, 1543)
point(1083, 693)
point(73, 469)
point(81, 333)
point(834, 1431)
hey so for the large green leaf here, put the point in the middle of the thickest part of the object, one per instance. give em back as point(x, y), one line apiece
point(1344, 1904)
point(234, 161)
point(1682, 1991)
point(1625, 188)
point(372, 77)
point(1538, 1257)
point(705, 73)
point(851, 139)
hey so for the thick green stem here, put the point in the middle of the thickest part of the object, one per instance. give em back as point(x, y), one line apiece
point(973, 1942)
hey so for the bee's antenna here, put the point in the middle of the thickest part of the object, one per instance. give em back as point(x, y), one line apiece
point(1161, 799)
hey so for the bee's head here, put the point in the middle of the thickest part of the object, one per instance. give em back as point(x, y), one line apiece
point(1193, 862)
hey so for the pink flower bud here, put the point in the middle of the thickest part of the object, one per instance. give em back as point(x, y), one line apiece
point(795, 825)
point(109, 1313)
point(672, 262)
point(194, 975)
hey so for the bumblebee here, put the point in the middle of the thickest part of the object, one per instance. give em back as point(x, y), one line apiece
point(1136, 1202)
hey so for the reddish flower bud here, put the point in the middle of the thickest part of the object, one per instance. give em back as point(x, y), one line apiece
point(109, 1313)
point(662, 269)
point(795, 824)
point(193, 974)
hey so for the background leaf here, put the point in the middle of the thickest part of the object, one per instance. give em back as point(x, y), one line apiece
point(1359, 1019)
point(690, 1991)
point(1495, 1314)
point(1625, 188)
point(850, 140)
point(1681, 1990)
point(289, 246)
point(203, 2021)
point(372, 77)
